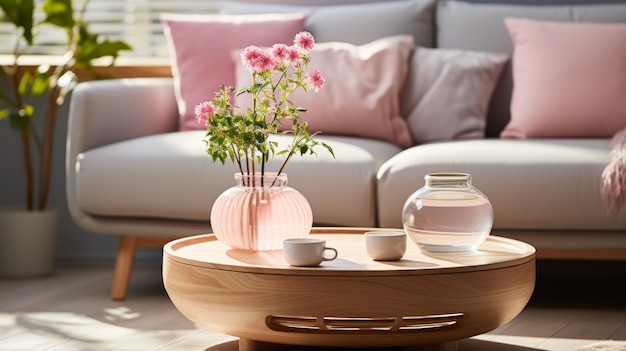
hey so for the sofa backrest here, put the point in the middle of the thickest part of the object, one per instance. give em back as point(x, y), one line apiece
point(479, 26)
point(475, 25)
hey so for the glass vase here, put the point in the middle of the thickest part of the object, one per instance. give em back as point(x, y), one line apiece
point(448, 214)
point(260, 212)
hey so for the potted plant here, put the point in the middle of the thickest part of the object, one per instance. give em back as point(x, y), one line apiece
point(262, 210)
point(36, 127)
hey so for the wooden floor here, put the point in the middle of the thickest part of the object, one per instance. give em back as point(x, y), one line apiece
point(71, 310)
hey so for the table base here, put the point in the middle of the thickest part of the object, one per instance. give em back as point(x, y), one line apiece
point(253, 345)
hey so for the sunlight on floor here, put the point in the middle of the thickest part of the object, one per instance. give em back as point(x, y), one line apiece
point(552, 344)
point(120, 312)
point(71, 331)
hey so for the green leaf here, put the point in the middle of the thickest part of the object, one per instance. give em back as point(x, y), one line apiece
point(4, 113)
point(256, 88)
point(28, 111)
point(92, 49)
point(11, 10)
point(241, 91)
point(59, 13)
point(303, 149)
point(20, 13)
point(40, 82)
point(330, 149)
point(25, 83)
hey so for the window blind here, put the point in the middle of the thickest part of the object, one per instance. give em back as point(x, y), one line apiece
point(134, 21)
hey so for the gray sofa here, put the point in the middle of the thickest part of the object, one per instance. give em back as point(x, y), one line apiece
point(131, 173)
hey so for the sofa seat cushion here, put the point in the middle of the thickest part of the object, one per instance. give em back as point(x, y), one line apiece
point(538, 184)
point(169, 176)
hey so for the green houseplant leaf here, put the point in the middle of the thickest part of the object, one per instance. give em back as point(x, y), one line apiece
point(90, 48)
point(53, 82)
point(59, 13)
point(20, 13)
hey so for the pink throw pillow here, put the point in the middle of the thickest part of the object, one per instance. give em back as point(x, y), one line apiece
point(201, 45)
point(361, 93)
point(569, 79)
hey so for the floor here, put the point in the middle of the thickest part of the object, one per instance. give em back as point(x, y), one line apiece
point(70, 310)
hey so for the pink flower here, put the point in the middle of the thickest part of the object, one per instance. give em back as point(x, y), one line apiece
point(304, 41)
point(280, 52)
point(257, 60)
point(316, 80)
point(250, 55)
point(276, 73)
point(204, 111)
point(265, 62)
point(294, 56)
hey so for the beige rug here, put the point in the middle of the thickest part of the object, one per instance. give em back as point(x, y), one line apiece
point(604, 346)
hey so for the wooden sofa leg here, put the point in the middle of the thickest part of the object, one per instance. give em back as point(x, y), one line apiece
point(125, 259)
point(123, 266)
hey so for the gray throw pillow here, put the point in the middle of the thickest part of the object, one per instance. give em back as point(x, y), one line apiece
point(447, 93)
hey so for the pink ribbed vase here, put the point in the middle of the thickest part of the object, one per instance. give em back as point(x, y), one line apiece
point(260, 212)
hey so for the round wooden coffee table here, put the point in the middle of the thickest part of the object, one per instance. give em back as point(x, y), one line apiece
point(351, 301)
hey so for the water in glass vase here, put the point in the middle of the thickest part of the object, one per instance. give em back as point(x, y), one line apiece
point(448, 223)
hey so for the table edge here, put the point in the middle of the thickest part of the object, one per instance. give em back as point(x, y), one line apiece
point(170, 248)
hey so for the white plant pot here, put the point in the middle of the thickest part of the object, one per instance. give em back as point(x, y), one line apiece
point(27, 242)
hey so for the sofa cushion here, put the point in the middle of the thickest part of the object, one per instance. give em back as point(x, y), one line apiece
point(480, 26)
point(447, 93)
point(336, 23)
point(119, 180)
point(533, 184)
point(360, 95)
point(200, 54)
point(562, 91)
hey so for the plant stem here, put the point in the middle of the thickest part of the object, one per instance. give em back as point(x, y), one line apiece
point(282, 167)
point(47, 146)
point(252, 177)
point(236, 153)
point(25, 134)
point(28, 168)
point(263, 171)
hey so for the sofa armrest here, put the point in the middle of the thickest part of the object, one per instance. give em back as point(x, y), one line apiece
point(109, 111)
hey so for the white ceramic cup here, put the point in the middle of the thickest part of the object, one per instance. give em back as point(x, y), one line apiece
point(307, 252)
point(385, 246)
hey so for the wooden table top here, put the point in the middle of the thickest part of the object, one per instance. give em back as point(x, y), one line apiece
point(206, 251)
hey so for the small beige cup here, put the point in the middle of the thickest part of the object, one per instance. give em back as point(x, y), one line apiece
point(307, 252)
point(385, 246)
